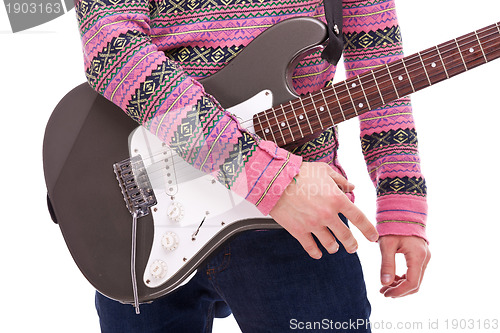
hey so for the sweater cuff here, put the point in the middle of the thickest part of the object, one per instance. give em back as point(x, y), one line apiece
point(269, 172)
point(402, 215)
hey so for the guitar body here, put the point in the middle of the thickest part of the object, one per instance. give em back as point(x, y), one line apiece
point(86, 135)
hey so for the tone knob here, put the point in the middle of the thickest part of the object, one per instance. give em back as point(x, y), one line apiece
point(170, 241)
point(175, 212)
point(158, 269)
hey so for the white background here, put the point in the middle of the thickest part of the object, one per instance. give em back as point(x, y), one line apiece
point(457, 120)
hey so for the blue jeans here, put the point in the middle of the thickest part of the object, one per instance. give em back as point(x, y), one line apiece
point(267, 281)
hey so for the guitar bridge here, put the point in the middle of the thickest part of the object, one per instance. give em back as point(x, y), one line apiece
point(135, 185)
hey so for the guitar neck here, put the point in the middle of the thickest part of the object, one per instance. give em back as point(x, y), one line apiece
point(315, 112)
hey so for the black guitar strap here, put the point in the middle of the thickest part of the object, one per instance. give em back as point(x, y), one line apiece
point(334, 18)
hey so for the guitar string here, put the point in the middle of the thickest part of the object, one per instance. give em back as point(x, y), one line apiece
point(343, 91)
point(416, 82)
point(177, 159)
point(368, 83)
point(377, 83)
point(412, 57)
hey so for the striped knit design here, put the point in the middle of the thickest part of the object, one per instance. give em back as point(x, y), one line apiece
point(388, 135)
point(145, 56)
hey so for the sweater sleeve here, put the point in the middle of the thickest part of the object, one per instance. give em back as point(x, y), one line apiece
point(388, 136)
point(125, 66)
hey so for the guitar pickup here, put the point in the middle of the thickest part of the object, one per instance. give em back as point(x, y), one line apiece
point(135, 185)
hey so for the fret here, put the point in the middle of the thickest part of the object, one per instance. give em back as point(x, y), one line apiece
point(461, 56)
point(257, 117)
point(316, 109)
point(392, 80)
point(452, 62)
point(490, 39)
point(287, 123)
point(364, 94)
point(433, 66)
point(438, 63)
point(306, 115)
point(352, 101)
point(408, 74)
point(481, 47)
point(472, 51)
point(270, 128)
point(296, 119)
point(327, 107)
point(378, 89)
point(338, 102)
point(442, 62)
point(278, 124)
point(353, 93)
point(425, 70)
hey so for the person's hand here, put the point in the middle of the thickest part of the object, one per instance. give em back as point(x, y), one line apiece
point(417, 257)
point(311, 204)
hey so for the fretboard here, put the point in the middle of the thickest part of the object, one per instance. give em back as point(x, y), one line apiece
point(315, 112)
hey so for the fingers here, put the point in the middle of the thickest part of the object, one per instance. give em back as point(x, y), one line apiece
point(343, 234)
point(417, 257)
point(312, 207)
point(309, 244)
point(326, 239)
point(397, 281)
point(416, 260)
point(340, 180)
point(353, 213)
point(325, 235)
point(357, 218)
point(388, 267)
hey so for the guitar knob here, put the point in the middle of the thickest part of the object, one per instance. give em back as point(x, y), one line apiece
point(158, 269)
point(175, 212)
point(170, 241)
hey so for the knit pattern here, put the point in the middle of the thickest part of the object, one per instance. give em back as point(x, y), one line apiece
point(388, 136)
point(146, 56)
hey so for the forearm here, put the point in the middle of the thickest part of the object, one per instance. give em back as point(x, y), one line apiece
point(123, 65)
point(388, 134)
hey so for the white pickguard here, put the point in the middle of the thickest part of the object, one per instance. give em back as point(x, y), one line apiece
point(186, 197)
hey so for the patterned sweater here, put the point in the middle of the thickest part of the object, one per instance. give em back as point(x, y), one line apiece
point(146, 56)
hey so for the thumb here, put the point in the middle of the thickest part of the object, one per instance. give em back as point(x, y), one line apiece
point(388, 268)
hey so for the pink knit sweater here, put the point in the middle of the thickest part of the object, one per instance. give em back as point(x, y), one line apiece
point(146, 57)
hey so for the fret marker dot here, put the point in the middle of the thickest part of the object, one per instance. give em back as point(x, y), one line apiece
point(360, 105)
point(400, 78)
point(433, 64)
point(471, 50)
point(322, 109)
point(266, 130)
point(301, 117)
point(283, 124)
point(353, 85)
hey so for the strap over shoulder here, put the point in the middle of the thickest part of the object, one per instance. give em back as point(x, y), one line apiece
point(334, 18)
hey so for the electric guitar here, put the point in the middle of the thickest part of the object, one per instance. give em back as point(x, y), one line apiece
point(174, 216)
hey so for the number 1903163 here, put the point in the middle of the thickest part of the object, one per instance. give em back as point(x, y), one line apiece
point(34, 8)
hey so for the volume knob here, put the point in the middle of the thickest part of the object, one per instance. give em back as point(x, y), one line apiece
point(170, 241)
point(175, 212)
point(158, 269)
